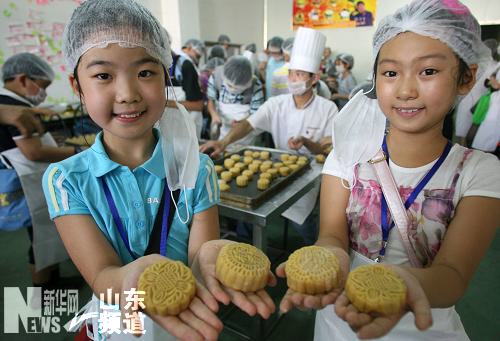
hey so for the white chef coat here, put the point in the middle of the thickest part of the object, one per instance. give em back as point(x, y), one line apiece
point(280, 117)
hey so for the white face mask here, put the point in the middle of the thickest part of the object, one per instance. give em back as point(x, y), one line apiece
point(38, 98)
point(298, 88)
point(358, 132)
point(340, 68)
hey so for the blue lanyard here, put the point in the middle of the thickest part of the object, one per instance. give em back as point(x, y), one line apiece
point(386, 228)
point(121, 230)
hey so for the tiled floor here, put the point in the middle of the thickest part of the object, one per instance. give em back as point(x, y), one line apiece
point(478, 309)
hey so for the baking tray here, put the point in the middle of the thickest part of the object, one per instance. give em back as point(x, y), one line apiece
point(250, 196)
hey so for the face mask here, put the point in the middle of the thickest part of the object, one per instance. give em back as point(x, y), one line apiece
point(234, 89)
point(38, 98)
point(340, 68)
point(180, 151)
point(358, 132)
point(298, 88)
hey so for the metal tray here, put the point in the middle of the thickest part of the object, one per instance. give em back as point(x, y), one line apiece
point(250, 196)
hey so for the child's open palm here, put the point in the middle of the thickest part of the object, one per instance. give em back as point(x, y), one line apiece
point(369, 326)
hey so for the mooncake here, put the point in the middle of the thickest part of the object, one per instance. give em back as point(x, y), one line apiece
point(284, 171)
point(264, 155)
point(284, 157)
point(320, 158)
point(169, 287)
point(263, 184)
point(312, 270)
point(247, 153)
point(226, 176)
point(376, 288)
point(248, 173)
point(235, 157)
point(218, 169)
point(242, 267)
point(242, 181)
point(229, 163)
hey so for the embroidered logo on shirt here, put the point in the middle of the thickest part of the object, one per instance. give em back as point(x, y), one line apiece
point(153, 200)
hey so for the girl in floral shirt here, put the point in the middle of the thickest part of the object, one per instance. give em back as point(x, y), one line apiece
point(427, 55)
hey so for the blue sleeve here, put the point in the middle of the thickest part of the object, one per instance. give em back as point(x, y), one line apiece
point(207, 192)
point(61, 195)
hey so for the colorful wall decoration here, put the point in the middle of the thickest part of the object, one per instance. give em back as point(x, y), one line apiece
point(333, 13)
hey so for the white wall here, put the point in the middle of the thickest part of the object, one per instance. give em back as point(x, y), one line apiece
point(357, 41)
point(241, 20)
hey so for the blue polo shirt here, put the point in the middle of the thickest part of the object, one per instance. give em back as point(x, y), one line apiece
point(73, 186)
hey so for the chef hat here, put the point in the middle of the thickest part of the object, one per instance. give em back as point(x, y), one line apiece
point(307, 50)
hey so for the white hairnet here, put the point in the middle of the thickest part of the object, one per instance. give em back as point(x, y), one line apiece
point(446, 20)
point(217, 51)
point(347, 58)
point(97, 23)
point(29, 65)
point(275, 43)
point(287, 45)
point(251, 47)
point(238, 71)
point(195, 44)
point(213, 63)
point(223, 39)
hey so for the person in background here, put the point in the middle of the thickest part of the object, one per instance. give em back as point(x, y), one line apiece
point(250, 47)
point(185, 81)
point(346, 81)
point(280, 76)
point(23, 118)
point(224, 40)
point(206, 72)
point(26, 78)
point(299, 121)
point(217, 51)
point(361, 15)
point(139, 196)
point(234, 94)
point(275, 61)
point(427, 55)
point(327, 62)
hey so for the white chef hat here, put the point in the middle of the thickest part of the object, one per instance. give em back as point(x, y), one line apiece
point(307, 50)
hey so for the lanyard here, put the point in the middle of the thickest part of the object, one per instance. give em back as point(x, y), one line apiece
point(386, 227)
point(165, 228)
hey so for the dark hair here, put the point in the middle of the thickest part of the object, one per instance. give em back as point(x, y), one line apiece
point(360, 2)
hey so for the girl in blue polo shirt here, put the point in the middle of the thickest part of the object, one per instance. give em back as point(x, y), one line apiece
point(138, 194)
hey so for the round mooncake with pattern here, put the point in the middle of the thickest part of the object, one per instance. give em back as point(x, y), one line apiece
point(169, 287)
point(376, 288)
point(242, 267)
point(312, 270)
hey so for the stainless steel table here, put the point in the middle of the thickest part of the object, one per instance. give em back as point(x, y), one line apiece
point(275, 205)
point(261, 216)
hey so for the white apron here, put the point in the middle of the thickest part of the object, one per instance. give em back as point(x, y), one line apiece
point(177, 93)
point(47, 245)
point(446, 322)
point(488, 133)
point(235, 112)
point(153, 331)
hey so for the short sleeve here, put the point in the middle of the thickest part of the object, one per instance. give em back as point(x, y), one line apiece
point(62, 197)
point(262, 117)
point(482, 176)
point(212, 92)
point(207, 192)
point(333, 167)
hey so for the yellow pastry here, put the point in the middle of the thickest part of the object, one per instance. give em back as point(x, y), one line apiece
point(320, 158)
point(263, 184)
point(376, 288)
point(242, 267)
point(247, 153)
point(229, 163)
point(312, 270)
point(253, 167)
point(257, 162)
point(284, 171)
point(302, 158)
point(242, 181)
point(284, 157)
point(256, 155)
point(301, 163)
point(240, 165)
point(248, 173)
point(264, 155)
point(277, 165)
point(293, 158)
point(169, 287)
point(247, 160)
point(223, 186)
point(235, 157)
point(264, 167)
point(273, 172)
point(226, 176)
point(294, 167)
point(288, 163)
point(266, 175)
point(219, 169)
point(235, 171)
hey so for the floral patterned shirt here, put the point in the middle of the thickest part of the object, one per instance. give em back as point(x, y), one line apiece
point(465, 172)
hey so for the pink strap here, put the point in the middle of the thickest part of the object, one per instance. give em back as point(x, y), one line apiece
point(396, 207)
